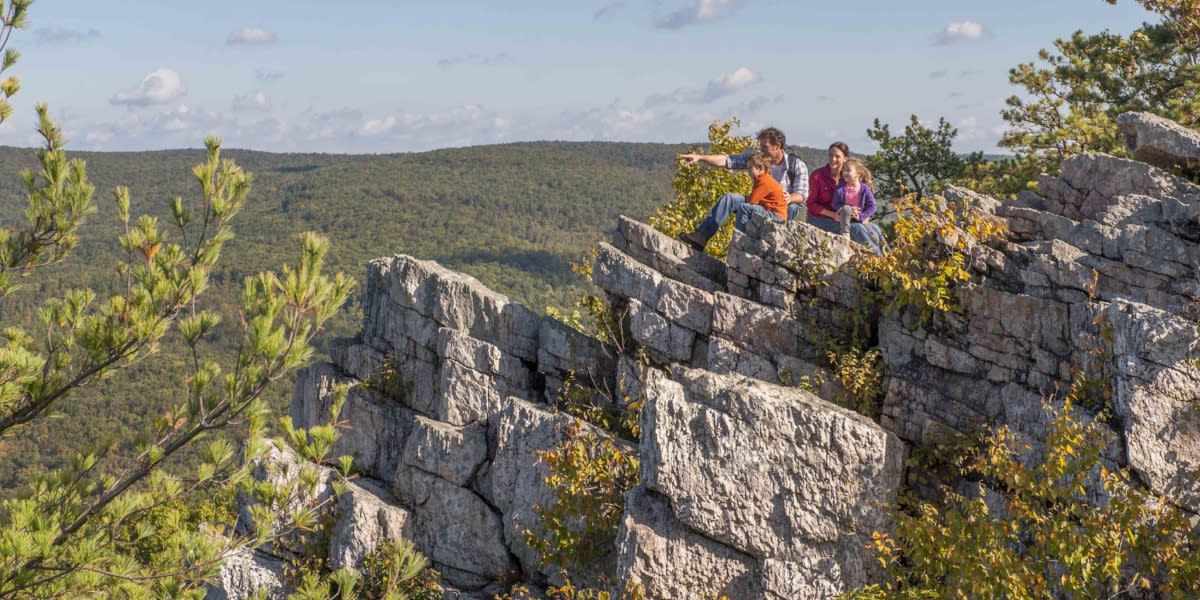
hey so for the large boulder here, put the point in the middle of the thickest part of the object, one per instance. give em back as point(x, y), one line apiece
point(1158, 397)
point(1159, 141)
point(365, 517)
point(377, 426)
point(773, 472)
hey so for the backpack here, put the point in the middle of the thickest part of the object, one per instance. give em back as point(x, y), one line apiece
point(793, 165)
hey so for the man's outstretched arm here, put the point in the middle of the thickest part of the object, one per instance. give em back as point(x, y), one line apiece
point(716, 160)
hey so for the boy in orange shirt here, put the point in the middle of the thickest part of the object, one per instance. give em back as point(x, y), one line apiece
point(766, 198)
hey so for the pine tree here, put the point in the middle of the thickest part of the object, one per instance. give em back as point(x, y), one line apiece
point(126, 520)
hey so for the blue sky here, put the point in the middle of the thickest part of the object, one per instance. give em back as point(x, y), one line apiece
point(367, 76)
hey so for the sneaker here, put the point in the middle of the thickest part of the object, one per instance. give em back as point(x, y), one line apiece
point(694, 239)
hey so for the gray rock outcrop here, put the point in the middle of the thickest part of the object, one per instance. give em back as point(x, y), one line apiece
point(246, 573)
point(1159, 141)
point(754, 482)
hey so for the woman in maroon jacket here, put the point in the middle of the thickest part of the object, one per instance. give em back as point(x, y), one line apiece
point(821, 185)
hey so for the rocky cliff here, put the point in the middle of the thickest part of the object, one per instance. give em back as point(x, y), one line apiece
point(751, 485)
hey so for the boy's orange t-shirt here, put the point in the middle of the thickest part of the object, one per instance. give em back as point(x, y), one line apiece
point(768, 194)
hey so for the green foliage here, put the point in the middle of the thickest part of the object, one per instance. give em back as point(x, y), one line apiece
point(107, 524)
point(389, 382)
point(861, 374)
point(542, 201)
point(1042, 535)
point(14, 14)
point(396, 571)
point(1002, 178)
point(59, 197)
point(698, 187)
point(113, 521)
point(928, 256)
point(568, 591)
point(1071, 98)
point(919, 161)
point(589, 474)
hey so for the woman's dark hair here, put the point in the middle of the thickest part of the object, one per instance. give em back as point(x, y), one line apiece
point(772, 136)
point(841, 146)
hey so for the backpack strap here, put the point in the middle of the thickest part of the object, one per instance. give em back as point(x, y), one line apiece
point(793, 166)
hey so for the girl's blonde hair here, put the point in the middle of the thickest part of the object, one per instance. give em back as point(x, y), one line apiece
point(864, 174)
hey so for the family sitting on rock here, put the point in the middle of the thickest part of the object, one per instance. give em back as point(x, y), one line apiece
point(838, 196)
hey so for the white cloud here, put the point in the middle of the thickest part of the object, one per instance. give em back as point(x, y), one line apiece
point(159, 87)
point(968, 128)
point(59, 35)
point(255, 100)
point(378, 126)
point(937, 74)
point(179, 127)
point(355, 130)
point(251, 35)
point(698, 11)
point(98, 137)
point(719, 87)
point(961, 31)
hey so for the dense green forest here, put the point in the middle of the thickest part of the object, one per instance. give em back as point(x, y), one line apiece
point(514, 216)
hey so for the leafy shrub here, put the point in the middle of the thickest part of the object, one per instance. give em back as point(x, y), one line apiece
point(397, 571)
point(861, 374)
point(589, 474)
point(1034, 531)
point(698, 187)
point(929, 255)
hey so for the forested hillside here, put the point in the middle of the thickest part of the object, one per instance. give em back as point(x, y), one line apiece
point(513, 216)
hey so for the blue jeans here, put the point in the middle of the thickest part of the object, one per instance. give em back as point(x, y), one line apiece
point(869, 234)
point(732, 204)
point(794, 210)
point(863, 233)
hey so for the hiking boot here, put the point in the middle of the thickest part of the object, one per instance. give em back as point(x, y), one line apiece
point(695, 239)
point(845, 217)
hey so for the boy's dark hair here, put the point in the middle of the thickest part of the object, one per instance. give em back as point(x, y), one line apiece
point(759, 161)
point(773, 136)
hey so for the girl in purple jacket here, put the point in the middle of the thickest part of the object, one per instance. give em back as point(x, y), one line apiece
point(854, 201)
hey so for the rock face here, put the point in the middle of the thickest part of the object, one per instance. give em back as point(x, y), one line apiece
point(754, 484)
point(772, 472)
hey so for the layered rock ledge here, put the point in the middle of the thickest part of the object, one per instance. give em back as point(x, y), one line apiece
point(751, 486)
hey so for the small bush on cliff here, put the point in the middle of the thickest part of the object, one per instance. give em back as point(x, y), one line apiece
point(397, 571)
point(589, 474)
point(698, 187)
point(929, 255)
point(861, 374)
point(1034, 531)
